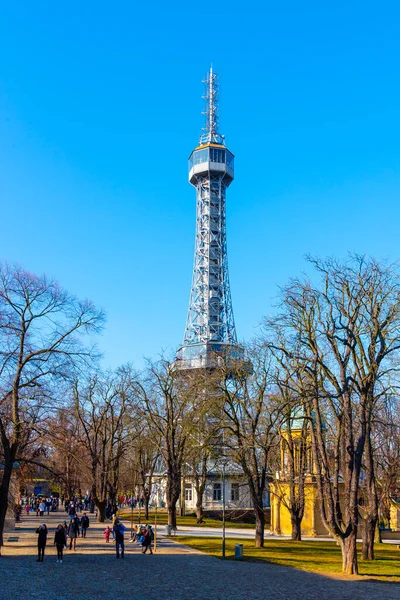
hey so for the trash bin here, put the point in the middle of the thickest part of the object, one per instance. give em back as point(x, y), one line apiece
point(168, 530)
point(238, 551)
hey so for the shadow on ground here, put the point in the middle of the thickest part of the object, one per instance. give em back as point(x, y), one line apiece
point(97, 576)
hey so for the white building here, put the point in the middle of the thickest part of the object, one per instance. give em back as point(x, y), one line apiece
point(237, 493)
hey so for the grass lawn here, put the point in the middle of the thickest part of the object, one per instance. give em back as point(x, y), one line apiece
point(309, 556)
point(189, 521)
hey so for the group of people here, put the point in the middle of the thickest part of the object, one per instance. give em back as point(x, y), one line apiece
point(38, 504)
point(62, 533)
point(76, 527)
point(68, 533)
point(79, 502)
point(143, 535)
point(42, 504)
point(130, 501)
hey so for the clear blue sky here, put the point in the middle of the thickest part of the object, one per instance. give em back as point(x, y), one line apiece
point(100, 107)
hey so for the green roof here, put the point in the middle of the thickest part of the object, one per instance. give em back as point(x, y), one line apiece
point(296, 420)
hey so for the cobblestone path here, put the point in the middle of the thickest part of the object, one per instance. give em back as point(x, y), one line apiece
point(174, 573)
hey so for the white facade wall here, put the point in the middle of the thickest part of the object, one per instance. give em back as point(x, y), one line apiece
point(237, 494)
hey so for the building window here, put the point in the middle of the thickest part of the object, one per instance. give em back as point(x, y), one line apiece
point(217, 155)
point(188, 492)
point(199, 156)
point(266, 498)
point(229, 159)
point(235, 492)
point(217, 495)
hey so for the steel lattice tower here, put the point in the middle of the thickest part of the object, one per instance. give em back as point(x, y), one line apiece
point(210, 326)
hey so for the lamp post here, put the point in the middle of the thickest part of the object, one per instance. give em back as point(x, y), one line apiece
point(155, 518)
point(224, 462)
point(223, 509)
point(131, 519)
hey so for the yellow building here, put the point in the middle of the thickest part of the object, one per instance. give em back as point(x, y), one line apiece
point(295, 451)
point(395, 516)
point(311, 524)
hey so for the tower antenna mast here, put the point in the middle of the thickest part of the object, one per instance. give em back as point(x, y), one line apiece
point(210, 133)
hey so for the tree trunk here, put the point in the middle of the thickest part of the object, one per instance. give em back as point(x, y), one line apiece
point(172, 515)
point(199, 512)
point(296, 526)
point(92, 504)
point(200, 485)
point(172, 494)
point(349, 553)
point(378, 534)
point(368, 538)
point(372, 509)
point(183, 499)
point(260, 527)
point(4, 491)
point(146, 507)
point(101, 511)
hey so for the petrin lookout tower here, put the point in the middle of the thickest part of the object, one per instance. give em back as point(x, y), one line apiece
point(210, 331)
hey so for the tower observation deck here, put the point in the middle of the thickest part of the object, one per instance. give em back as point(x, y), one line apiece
point(210, 327)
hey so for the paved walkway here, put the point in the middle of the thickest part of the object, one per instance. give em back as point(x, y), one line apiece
point(174, 573)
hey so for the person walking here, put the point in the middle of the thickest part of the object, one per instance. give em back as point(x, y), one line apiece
point(42, 507)
point(17, 512)
point(42, 540)
point(84, 524)
point(73, 532)
point(119, 530)
point(114, 520)
point(140, 534)
point(106, 534)
point(71, 511)
point(60, 541)
point(146, 542)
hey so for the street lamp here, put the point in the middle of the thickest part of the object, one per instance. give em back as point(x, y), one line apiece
point(131, 540)
point(155, 518)
point(224, 462)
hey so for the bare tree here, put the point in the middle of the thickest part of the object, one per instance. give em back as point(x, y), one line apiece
point(145, 455)
point(342, 335)
point(40, 343)
point(102, 408)
point(62, 435)
point(202, 448)
point(168, 402)
point(250, 421)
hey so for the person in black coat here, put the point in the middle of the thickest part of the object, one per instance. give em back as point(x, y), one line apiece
point(84, 524)
point(146, 542)
point(60, 541)
point(42, 539)
point(73, 532)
